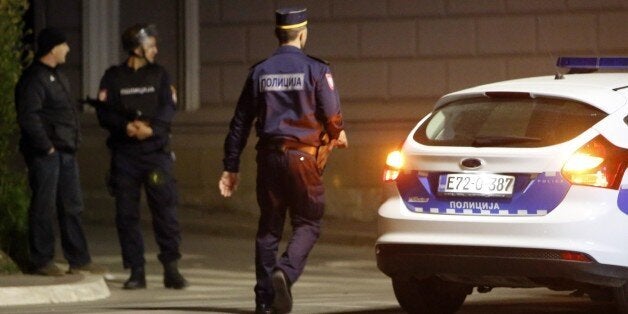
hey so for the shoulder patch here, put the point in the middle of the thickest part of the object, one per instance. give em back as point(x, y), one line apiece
point(319, 60)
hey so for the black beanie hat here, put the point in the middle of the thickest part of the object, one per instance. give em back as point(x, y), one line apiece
point(49, 38)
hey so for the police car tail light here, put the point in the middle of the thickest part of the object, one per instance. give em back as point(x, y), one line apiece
point(597, 163)
point(394, 163)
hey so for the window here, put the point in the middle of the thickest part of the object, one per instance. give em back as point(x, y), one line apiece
point(507, 122)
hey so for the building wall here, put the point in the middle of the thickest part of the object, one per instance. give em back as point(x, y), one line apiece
point(391, 60)
point(407, 49)
point(166, 21)
point(65, 15)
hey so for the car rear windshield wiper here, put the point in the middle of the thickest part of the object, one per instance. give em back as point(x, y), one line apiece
point(501, 140)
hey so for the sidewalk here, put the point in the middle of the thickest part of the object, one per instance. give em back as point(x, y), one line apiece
point(31, 289)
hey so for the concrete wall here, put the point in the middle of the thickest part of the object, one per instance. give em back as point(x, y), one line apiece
point(391, 59)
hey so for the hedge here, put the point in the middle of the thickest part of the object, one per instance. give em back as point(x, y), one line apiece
point(14, 196)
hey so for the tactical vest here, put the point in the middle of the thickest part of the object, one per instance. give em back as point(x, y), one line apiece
point(139, 90)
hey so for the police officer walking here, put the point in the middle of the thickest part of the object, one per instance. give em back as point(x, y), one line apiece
point(138, 104)
point(50, 135)
point(296, 106)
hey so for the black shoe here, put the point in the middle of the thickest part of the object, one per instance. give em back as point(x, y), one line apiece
point(137, 279)
point(263, 309)
point(172, 278)
point(283, 297)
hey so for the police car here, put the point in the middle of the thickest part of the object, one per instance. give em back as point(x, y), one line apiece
point(520, 183)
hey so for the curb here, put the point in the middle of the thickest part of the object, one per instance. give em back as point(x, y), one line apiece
point(78, 288)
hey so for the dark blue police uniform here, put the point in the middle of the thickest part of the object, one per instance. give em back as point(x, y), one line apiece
point(136, 163)
point(294, 103)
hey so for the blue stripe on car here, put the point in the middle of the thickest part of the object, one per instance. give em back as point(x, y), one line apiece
point(622, 200)
point(531, 196)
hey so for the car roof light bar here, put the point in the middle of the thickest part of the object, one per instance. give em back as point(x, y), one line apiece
point(593, 62)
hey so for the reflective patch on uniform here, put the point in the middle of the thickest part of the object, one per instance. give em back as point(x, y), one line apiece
point(157, 177)
point(536, 196)
point(281, 82)
point(140, 90)
point(330, 81)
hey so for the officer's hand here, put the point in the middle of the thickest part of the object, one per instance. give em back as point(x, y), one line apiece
point(228, 183)
point(131, 129)
point(341, 141)
point(144, 131)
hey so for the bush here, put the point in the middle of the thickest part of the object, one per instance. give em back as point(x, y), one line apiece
point(13, 188)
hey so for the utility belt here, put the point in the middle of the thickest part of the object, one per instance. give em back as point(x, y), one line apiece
point(283, 146)
point(320, 153)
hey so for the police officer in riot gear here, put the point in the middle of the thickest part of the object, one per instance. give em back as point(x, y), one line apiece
point(139, 153)
point(295, 104)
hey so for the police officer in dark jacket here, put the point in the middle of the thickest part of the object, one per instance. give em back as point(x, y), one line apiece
point(295, 105)
point(50, 135)
point(138, 106)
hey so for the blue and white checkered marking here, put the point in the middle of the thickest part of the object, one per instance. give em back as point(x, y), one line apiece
point(536, 197)
point(481, 212)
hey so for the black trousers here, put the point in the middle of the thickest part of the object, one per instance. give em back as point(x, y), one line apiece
point(153, 171)
point(56, 190)
point(286, 182)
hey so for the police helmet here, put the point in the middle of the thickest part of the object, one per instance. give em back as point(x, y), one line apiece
point(135, 35)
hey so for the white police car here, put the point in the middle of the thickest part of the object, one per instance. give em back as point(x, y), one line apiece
point(520, 183)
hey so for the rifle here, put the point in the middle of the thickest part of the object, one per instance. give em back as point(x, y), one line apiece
point(130, 114)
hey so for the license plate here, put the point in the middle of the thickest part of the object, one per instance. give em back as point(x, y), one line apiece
point(464, 184)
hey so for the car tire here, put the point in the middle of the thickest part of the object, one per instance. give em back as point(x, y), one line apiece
point(621, 299)
point(431, 295)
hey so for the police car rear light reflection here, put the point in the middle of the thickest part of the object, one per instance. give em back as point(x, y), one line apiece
point(394, 164)
point(574, 256)
point(597, 163)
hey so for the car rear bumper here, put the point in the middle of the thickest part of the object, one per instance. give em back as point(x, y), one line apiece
point(481, 265)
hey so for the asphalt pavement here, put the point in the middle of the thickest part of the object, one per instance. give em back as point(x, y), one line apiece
point(22, 289)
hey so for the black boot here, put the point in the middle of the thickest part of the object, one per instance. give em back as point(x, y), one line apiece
point(172, 277)
point(137, 279)
point(283, 296)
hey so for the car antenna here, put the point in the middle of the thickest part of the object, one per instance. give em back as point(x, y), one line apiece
point(558, 75)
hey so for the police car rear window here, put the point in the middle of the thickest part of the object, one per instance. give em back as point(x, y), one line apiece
point(507, 122)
